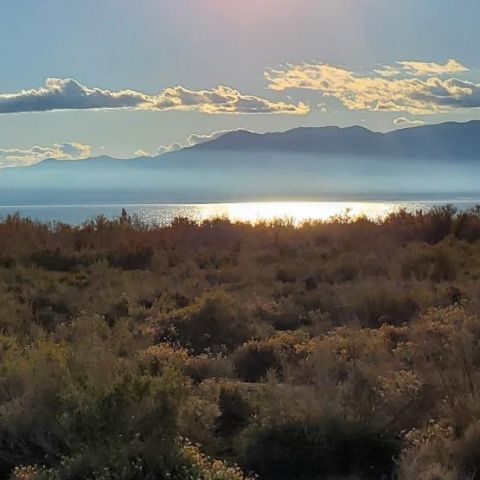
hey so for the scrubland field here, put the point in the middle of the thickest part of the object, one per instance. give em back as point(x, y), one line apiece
point(340, 350)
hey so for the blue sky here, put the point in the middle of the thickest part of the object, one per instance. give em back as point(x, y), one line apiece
point(152, 46)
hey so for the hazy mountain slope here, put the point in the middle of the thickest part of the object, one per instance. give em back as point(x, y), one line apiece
point(446, 140)
point(305, 163)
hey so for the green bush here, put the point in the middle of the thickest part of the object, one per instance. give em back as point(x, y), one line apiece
point(58, 262)
point(327, 449)
point(235, 413)
point(215, 323)
point(253, 361)
point(381, 307)
point(139, 258)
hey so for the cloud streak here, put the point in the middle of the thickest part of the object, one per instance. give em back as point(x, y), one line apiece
point(68, 94)
point(406, 122)
point(386, 89)
point(10, 157)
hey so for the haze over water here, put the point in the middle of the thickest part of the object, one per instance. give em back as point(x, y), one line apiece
point(164, 214)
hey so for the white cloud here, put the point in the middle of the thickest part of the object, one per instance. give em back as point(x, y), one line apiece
point(431, 68)
point(68, 94)
point(421, 69)
point(404, 121)
point(172, 147)
point(414, 95)
point(192, 140)
point(10, 157)
point(141, 153)
point(196, 139)
point(387, 71)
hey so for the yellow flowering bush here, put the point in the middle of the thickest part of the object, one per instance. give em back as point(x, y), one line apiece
point(25, 473)
point(199, 466)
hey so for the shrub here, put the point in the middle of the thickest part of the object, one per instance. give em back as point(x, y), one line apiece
point(49, 312)
point(117, 311)
point(57, 261)
point(80, 407)
point(439, 223)
point(203, 367)
point(215, 323)
point(7, 262)
point(139, 258)
point(326, 449)
point(467, 226)
point(235, 413)
point(286, 275)
point(254, 359)
point(198, 466)
point(382, 307)
point(434, 263)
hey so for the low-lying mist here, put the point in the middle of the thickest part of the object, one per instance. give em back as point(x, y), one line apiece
point(221, 177)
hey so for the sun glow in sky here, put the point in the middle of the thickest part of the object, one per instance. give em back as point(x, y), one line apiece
point(177, 54)
point(252, 12)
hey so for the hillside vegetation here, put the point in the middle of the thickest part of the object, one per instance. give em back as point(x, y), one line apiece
point(221, 351)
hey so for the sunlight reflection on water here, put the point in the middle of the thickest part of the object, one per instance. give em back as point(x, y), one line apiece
point(297, 212)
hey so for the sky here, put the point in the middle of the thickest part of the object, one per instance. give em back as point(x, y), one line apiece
point(127, 78)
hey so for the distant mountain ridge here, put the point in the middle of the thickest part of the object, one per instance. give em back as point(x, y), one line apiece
point(444, 140)
point(441, 140)
point(323, 163)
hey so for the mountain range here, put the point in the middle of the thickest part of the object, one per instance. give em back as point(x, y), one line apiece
point(441, 161)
